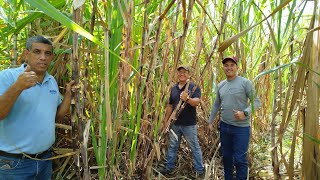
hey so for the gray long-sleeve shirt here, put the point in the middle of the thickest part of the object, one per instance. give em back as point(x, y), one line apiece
point(234, 95)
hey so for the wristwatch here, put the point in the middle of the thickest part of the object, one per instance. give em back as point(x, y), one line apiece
point(245, 113)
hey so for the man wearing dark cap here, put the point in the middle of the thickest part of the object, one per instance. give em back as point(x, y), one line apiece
point(185, 124)
point(232, 100)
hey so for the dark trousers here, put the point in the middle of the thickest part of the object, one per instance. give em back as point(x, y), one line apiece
point(234, 145)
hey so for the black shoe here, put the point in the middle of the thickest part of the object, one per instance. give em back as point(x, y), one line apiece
point(196, 176)
point(164, 171)
point(200, 175)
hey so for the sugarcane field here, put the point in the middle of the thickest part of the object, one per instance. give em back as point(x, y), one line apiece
point(160, 89)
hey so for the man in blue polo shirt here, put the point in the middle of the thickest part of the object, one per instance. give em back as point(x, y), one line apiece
point(185, 125)
point(232, 99)
point(30, 103)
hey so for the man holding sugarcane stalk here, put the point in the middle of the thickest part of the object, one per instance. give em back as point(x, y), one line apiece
point(181, 116)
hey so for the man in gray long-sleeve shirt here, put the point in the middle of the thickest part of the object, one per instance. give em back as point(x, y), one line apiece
point(232, 99)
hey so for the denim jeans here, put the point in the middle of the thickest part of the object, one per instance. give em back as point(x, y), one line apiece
point(190, 134)
point(234, 145)
point(25, 168)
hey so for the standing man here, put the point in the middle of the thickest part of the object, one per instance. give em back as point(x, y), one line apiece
point(185, 125)
point(30, 103)
point(232, 98)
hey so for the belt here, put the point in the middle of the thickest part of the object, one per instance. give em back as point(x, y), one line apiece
point(20, 156)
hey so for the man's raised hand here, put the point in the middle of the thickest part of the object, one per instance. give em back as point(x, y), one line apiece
point(27, 79)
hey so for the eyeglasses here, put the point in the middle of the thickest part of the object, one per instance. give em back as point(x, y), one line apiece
point(183, 72)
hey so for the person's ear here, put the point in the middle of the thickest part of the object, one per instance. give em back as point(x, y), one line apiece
point(24, 55)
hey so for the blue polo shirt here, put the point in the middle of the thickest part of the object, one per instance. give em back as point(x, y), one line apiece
point(188, 115)
point(30, 125)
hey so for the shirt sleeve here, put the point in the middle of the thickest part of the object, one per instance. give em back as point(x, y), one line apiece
point(197, 93)
point(60, 97)
point(251, 94)
point(215, 107)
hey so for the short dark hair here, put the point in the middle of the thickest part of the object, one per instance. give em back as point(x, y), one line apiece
point(38, 39)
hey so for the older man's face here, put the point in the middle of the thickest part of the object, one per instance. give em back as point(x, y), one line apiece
point(39, 57)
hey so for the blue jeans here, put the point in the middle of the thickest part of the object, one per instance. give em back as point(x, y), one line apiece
point(190, 134)
point(234, 145)
point(25, 168)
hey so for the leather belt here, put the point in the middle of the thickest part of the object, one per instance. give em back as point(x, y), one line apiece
point(20, 156)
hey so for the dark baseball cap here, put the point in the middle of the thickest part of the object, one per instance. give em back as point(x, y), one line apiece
point(234, 59)
point(186, 67)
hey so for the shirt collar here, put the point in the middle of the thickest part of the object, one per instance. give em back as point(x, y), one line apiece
point(183, 87)
point(47, 77)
